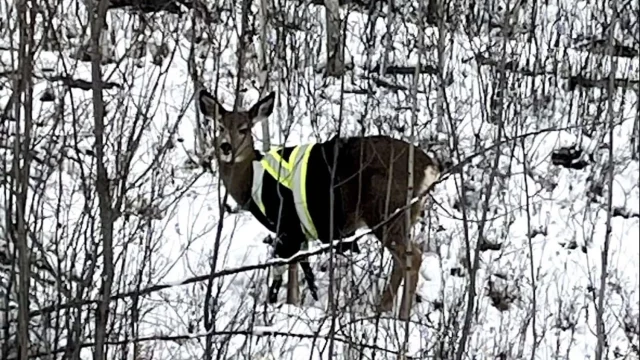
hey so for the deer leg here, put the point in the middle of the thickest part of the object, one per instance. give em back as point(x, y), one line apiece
point(286, 246)
point(309, 278)
point(276, 284)
point(394, 239)
point(391, 289)
point(278, 271)
point(307, 272)
point(413, 270)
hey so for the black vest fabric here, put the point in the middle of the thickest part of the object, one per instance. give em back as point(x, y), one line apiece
point(281, 216)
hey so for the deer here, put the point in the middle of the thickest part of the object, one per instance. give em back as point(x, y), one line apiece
point(288, 190)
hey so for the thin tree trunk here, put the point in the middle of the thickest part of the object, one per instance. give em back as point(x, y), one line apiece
point(387, 37)
point(335, 39)
point(97, 17)
point(496, 114)
point(261, 50)
point(604, 257)
point(635, 134)
point(333, 302)
point(406, 297)
point(293, 288)
point(242, 49)
point(22, 145)
point(441, 48)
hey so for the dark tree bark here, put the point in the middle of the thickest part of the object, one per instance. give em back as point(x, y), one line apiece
point(21, 169)
point(102, 180)
point(335, 39)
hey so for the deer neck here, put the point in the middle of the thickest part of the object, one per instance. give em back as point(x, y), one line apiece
point(238, 178)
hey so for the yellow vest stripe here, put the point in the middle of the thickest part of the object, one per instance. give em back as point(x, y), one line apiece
point(310, 227)
point(293, 175)
point(273, 160)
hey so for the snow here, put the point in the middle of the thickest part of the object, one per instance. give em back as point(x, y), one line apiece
point(179, 244)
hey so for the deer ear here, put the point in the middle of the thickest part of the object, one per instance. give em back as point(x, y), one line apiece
point(263, 108)
point(208, 105)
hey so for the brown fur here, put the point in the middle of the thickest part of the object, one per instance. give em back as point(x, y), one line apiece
point(383, 164)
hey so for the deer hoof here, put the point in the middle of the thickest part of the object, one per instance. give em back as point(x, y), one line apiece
point(314, 294)
point(273, 298)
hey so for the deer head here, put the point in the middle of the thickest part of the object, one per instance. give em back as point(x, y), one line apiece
point(232, 140)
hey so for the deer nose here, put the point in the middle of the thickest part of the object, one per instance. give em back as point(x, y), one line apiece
point(225, 148)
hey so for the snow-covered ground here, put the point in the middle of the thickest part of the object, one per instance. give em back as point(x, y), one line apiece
point(550, 225)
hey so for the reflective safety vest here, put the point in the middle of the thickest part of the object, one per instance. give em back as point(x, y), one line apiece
point(292, 174)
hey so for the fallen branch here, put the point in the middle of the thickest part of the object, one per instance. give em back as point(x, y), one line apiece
point(81, 84)
point(603, 46)
point(406, 70)
point(574, 81)
point(149, 6)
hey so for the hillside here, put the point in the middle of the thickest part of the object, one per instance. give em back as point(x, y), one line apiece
point(547, 110)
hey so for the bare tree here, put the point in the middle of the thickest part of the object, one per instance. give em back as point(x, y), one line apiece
point(17, 218)
point(103, 183)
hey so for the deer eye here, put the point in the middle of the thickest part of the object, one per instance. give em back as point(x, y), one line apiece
point(220, 128)
point(243, 131)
